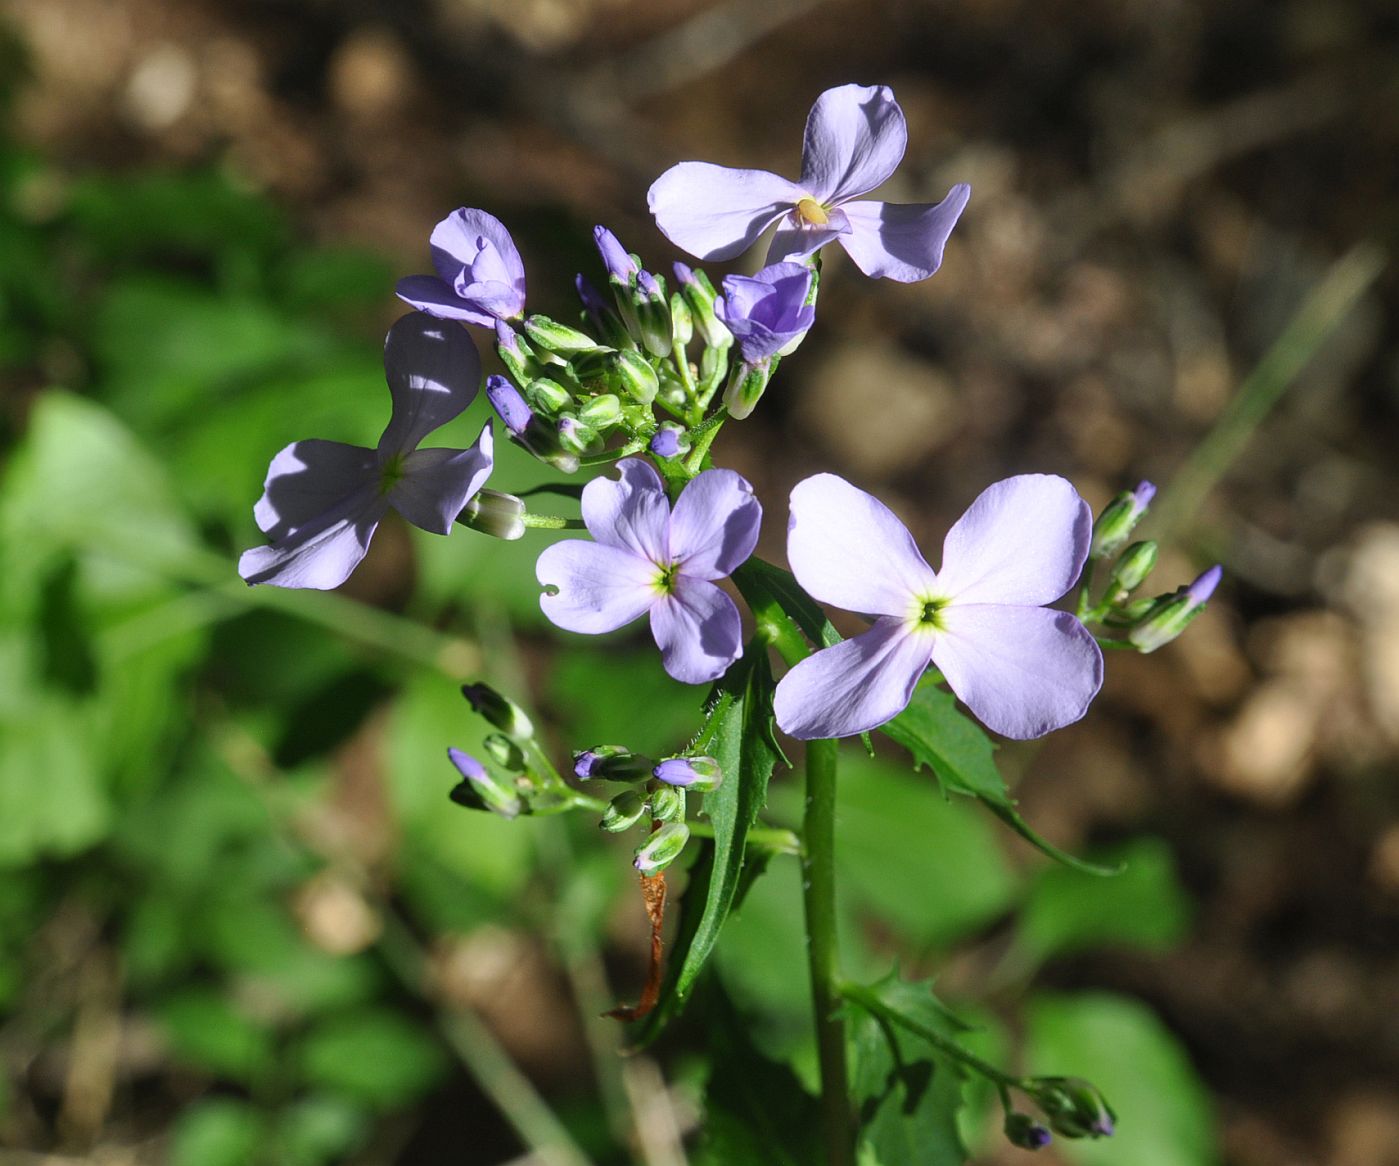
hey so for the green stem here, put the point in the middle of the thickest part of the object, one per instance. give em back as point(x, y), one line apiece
point(695, 462)
point(822, 948)
point(551, 522)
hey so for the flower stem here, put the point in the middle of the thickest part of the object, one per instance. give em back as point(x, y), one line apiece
point(551, 522)
point(819, 895)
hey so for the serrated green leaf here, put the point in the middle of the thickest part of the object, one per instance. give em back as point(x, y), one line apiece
point(782, 587)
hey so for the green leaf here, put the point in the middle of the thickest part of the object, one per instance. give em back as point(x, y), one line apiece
point(738, 734)
point(205, 1028)
point(782, 587)
point(319, 1129)
point(376, 1057)
point(1163, 1110)
point(1143, 907)
point(961, 756)
point(220, 1132)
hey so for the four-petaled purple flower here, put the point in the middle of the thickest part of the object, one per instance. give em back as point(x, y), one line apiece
point(480, 277)
point(1023, 669)
point(648, 558)
point(855, 137)
point(322, 500)
point(767, 313)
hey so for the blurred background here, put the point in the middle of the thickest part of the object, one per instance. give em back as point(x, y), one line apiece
point(239, 919)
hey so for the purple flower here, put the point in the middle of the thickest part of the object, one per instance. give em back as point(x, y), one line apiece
point(768, 312)
point(1022, 668)
point(650, 559)
point(855, 137)
point(614, 256)
point(322, 500)
point(480, 277)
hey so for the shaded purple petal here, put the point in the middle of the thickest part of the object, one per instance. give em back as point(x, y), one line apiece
point(856, 685)
point(715, 212)
point(475, 255)
point(767, 312)
point(855, 138)
point(902, 243)
point(1024, 671)
point(1023, 541)
point(309, 478)
point(320, 554)
point(509, 403)
point(632, 514)
point(599, 588)
point(796, 238)
point(429, 294)
point(848, 548)
point(715, 524)
point(697, 630)
point(433, 372)
point(437, 483)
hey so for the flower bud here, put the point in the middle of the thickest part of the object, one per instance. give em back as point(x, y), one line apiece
point(556, 337)
point(480, 789)
point(670, 440)
point(620, 265)
point(547, 396)
point(697, 773)
point(699, 296)
point(602, 412)
point(498, 711)
point(1075, 1108)
point(599, 315)
point(515, 354)
point(682, 323)
point(1171, 614)
point(496, 514)
point(652, 314)
point(1024, 1131)
point(611, 763)
point(745, 387)
point(504, 752)
point(662, 848)
point(635, 376)
point(624, 811)
point(526, 428)
point(1118, 519)
point(668, 804)
point(1131, 570)
point(577, 437)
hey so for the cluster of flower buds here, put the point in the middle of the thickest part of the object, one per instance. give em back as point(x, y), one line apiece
point(1074, 1108)
point(513, 783)
point(1149, 623)
point(657, 789)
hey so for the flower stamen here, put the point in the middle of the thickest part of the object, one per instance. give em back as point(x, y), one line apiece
point(812, 212)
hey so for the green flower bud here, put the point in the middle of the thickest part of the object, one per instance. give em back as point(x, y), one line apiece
point(652, 313)
point(577, 437)
point(1075, 1107)
point(496, 514)
point(550, 334)
point(1024, 1131)
point(505, 753)
point(662, 848)
point(624, 811)
point(1131, 570)
point(634, 376)
point(547, 396)
point(481, 789)
point(699, 295)
point(697, 773)
point(603, 412)
point(682, 323)
point(745, 387)
point(611, 763)
point(516, 354)
point(498, 711)
point(1171, 614)
point(1118, 519)
point(668, 804)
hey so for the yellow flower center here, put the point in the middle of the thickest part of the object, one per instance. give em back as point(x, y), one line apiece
point(811, 211)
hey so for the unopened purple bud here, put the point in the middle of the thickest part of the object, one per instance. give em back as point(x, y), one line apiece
point(467, 765)
point(611, 763)
point(1143, 494)
point(1118, 519)
point(667, 441)
point(507, 401)
point(684, 274)
point(498, 711)
point(1024, 1131)
point(1203, 587)
point(591, 298)
point(648, 285)
point(508, 339)
point(614, 255)
point(698, 773)
point(482, 790)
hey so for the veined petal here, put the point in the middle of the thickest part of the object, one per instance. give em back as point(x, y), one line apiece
point(856, 685)
point(433, 372)
point(434, 296)
point(715, 524)
point(1024, 671)
point(320, 554)
point(904, 243)
point(632, 514)
point(499, 301)
point(1022, 541)
point(437, 483)
point(848, 548)
point(599, 588)
point(715, 212)
point(309, 478)
point(855, 138)
point(697, 630)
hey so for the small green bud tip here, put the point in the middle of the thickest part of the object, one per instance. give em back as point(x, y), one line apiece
point(498, 711)
point(1118, 519)
point(745, 387)
point(547, 396)
point(697, 773)
point(555, 337)
point(496, 514)
point(623, 812)
point(576, 437)
point(1171, 614)
point(668, 804)
point(632, 374)
point(480, 789)
point(1075, 1107)
point(1131, 570)
point(504, 752)
point(602, 412)
point(611, 763)
point(682, 321)
point(1024, 1131)
point(662, 848)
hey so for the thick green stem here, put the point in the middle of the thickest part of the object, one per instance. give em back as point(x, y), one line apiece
point(822, 949)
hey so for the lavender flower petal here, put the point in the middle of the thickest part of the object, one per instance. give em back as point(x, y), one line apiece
point(796, 239)
point(1023, 541)
point(856, 685)
point(631, 514)
point(470, 249)
point(698, 631)
point(715, 212)
point(767, 312)
point(433, 372)
point(902, 243)
point(615, 257)
point(597, 588)
point(855, 138)
point(848, 548)
point(438, 483)
point(434, 296)
point(1024, 671)
point(714, 527)
point(321, 554)
point(309, 478)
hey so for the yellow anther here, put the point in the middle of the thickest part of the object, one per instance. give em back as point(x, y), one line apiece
point(811, 211)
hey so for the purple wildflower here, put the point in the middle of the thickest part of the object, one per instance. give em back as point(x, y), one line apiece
point(1021, 668)
point(480, 277)
point(614, 256)
point(767, 313)
point(322, 500)
point(650, 559)
point(855, 137)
